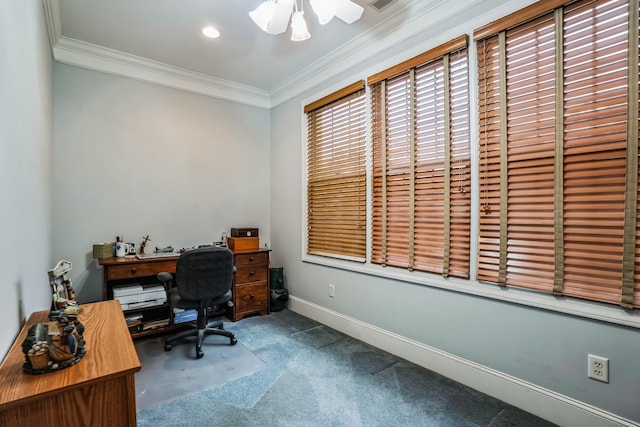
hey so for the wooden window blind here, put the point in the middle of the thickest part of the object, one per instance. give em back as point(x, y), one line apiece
point(421, 163)
point(558, 148)
point(336, 174)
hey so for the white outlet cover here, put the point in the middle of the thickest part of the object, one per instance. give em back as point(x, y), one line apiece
point(598, 368)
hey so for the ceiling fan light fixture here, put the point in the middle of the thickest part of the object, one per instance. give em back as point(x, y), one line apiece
point(279, 21)
point(262, 14)
point(324, 9)
point(273, 16)
point(299, 31)
point(348, 11)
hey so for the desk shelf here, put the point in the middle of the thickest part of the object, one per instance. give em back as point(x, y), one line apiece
point(122, 271)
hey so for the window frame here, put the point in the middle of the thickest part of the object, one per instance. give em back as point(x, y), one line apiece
point(422, 162)
point(573, 237)
point(466, 288)
point(331, 115)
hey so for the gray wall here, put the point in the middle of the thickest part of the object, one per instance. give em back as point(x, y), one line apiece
point(25, 165)
point(133, 158)
point(543, 347)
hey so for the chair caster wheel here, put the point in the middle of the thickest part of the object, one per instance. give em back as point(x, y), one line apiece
point(168, 347)
point(199, 354)
point(233, 341)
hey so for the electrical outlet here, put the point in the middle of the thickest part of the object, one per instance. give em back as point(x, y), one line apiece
point(598, 368)
point(332, 290)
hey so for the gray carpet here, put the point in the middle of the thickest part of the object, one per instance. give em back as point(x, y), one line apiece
point(316, 376)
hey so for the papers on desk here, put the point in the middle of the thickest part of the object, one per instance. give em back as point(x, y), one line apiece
point(154, 324)
point(136, 296)
point(134, 322)
point(142, 304)
point(157, 255)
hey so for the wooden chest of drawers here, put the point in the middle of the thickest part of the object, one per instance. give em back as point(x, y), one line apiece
point(251, 284)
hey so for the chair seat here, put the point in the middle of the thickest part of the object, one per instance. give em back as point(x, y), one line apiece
point(178, 302)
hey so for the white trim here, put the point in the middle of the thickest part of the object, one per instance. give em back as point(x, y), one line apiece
point(555, 407)
point(94, 57)
point(406, 23)
point(87, 55)
point(52, 18)
point(568, 305)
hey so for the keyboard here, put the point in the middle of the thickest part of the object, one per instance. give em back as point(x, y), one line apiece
point(157, 255)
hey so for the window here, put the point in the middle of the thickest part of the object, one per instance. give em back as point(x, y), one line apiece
point(558, 150)
point(421, 163)
point(336, 174)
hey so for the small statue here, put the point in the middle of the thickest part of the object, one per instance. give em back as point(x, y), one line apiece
point(55, 345)
point(63, 296)
point(62, 336)
point(144, 243)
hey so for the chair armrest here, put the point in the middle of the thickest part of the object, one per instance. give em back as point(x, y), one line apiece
point(164, 277)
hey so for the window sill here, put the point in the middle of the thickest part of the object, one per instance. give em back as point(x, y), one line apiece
point(575, 307)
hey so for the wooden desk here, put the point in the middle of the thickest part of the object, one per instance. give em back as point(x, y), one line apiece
point(250, 285)
point(97, 391)
point(123, 270)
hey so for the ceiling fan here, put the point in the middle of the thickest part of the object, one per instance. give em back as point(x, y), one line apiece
point(273, 16)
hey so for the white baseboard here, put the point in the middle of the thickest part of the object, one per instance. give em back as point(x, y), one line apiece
point(552, 406)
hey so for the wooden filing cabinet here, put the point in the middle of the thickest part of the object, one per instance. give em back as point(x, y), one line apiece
point(251, 293)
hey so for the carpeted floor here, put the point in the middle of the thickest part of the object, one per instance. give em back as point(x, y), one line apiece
point(315, 376)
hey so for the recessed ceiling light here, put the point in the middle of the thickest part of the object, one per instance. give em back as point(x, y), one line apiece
point(211, 32)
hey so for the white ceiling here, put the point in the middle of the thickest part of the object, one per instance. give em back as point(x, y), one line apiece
point(160, 41)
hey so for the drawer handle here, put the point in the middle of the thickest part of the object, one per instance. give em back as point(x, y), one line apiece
point(251, 273)
point(133, 270)
point(251, 296)
point(251, 258)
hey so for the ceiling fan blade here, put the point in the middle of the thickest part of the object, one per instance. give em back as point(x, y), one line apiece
point(348, 11)
point(281, 16)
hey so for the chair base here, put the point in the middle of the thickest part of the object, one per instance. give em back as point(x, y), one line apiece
point(213, 328)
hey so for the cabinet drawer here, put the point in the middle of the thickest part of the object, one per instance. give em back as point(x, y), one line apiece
point(132, 271)
point(251, 296)
point(251, 274)
point(251, 259)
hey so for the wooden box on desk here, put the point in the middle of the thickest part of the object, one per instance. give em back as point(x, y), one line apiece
point(244, 232)
point(243, 243)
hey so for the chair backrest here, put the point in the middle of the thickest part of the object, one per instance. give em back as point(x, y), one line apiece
point(204, 273)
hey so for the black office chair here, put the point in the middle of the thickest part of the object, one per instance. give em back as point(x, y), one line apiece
point(203, 280)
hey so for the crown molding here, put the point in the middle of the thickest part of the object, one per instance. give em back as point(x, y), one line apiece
point(404, 24)
point(87, 55)
point(407, 22)
point(94, 57)
point(52, 19)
